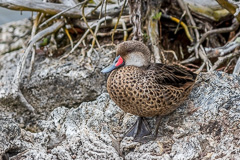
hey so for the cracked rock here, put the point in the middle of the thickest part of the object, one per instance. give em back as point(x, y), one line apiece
point(206, 126)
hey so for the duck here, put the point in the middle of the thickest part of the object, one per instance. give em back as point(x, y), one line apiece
point(146, 89)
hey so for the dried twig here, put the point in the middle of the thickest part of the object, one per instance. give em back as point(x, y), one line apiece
point(37, 37)
point(237, 67)
point(229, 47)
point(115, 27)
point(96, 30)
point(34, 30)
point(99, 4)
point(102, 4)
point(39, 6)
point(85, 34)
point(221, 30)
point(82, 24)
point(216, 52)
point(153, 32)
point(181, 23)
point(105, 12)
point(62, 12)
point(104, 34)
point(229, 64)
point(205, 59)
point(233, 27)
point(223, 59)
point(55, 8)
point(124, 29)
point(79, 42)
point(85, 20)
point(173, 53)
point(136, 17)
point(184, 12)
point(201, 68)
point(69, 37)
point(189, 18)
point(189, 60)
point(202, 53)
point(17, 78)
point(185, 8)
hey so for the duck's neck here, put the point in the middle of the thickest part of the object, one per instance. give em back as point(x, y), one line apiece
point(136, 59)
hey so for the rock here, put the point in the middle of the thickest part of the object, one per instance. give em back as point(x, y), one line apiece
point(206, 126)
point(53, 83)
point(9, 132)
point(13, 35)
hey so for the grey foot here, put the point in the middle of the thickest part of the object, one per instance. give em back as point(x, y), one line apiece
point(139, 129)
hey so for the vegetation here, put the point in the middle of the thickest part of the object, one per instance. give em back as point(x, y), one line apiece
point(175, 33)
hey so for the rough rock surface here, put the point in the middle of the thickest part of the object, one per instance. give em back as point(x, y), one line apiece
point(79, 77)
point(206, 126)
point(13, 35)
point(53, 83)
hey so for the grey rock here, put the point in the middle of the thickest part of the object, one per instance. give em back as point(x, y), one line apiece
point(206, 126)
point(9, 131)
point(13, 35)
point(53, 82)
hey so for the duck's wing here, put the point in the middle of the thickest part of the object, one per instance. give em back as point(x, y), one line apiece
point(171, 75)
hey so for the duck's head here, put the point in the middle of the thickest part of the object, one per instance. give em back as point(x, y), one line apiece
point(130, 53)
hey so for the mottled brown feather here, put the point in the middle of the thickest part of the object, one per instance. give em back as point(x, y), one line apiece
point(150, 91)
point(156, 89)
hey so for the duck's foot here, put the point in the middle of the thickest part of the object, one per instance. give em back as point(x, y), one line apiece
point(139, 129)
point(141, 132)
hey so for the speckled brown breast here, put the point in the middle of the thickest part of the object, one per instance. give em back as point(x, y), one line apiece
point(149, 91)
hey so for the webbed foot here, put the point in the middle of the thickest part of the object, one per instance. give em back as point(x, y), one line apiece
point(140, 131)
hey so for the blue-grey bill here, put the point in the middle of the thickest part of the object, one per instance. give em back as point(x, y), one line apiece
point(108, 69)
point(112, 66)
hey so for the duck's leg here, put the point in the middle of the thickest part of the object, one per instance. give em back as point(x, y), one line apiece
point(139, 129)
point(152, 136)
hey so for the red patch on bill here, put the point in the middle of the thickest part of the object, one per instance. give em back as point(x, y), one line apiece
point(119, 62)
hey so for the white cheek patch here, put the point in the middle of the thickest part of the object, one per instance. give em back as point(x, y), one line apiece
point(135, 59)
